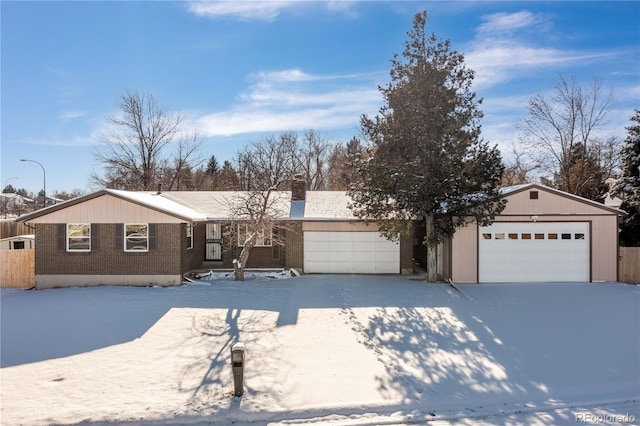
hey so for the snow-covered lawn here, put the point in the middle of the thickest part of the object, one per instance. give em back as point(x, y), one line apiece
point(335, 349)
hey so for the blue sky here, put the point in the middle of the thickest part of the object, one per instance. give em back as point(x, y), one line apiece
point(241, 70)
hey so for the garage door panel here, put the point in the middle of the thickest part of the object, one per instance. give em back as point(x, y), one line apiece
point(350, 252)
point(546, 256)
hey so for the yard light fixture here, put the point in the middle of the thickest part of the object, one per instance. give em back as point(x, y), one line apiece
point(44, 185)
point(534, 218)
point(237, 366)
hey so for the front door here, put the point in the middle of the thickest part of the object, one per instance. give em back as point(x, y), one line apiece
point(213, 242)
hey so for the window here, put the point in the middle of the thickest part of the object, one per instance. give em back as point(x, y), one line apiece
point(78, 237)
point(526, 236)
point(566, 236)
point(513, 236)
point(539, 236)
point(579, 236)
point(136, 237)
point(499, 236)
point(486, 236)
point(189, 236)
point(553, 236)
point(263, 240)
point(533, 195)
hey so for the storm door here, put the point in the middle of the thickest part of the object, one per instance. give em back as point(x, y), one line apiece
point(213, 242)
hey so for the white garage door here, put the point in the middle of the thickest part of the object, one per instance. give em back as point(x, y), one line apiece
point(350, 253)
point(534, 252)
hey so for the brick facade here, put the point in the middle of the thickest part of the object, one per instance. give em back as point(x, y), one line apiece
point(295, 246)
point(163, 258)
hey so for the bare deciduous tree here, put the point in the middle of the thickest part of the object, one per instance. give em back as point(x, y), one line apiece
point(518, 171)
point(264, 163)
point(256, 220)
point(572, 119)
point(134, 151)
point(311, 160)
point(272, 159)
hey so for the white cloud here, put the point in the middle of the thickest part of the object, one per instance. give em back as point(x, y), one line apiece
point(70, 115)
point(264, 10)
point(344, 7)
point(294, 100)
point(510, 45)
point(252, 10)
point(498, 61)
point(508, 22)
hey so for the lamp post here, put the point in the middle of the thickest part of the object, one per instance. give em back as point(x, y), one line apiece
point(44, 187)
point(6, 182)
point(5, 202)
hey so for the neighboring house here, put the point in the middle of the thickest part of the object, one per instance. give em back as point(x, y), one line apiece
point(18, 242)
point(53, 200)
point(609, 200)
point(153, 238)
point(14, 204)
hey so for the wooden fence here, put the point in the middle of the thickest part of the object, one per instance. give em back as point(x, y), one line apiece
point(11, 228)
point(17, 268)
point(629, 265)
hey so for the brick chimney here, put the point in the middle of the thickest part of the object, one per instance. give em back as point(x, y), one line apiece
point(298, 188)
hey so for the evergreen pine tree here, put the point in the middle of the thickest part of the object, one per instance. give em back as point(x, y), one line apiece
point(427, 160)
point(628, 186)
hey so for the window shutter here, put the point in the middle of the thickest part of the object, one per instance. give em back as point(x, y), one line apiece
point(62, 236)
point(120, 236)
point(153, 236)
point(94, 237)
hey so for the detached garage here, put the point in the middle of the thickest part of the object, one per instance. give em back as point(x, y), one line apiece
point(543, 235)
point(550, 251)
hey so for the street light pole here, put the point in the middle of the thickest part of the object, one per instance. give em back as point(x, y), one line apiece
point(44, 187)
point(5, 202)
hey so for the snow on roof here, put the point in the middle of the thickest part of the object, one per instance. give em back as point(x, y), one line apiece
point(20, 237)
point(219, 205)
point(332, 205)
point(159, 202)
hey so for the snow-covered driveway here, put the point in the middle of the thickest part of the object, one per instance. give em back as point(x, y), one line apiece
point(339, 349)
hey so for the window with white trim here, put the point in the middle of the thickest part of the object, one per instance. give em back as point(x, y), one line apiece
point(189, 236)
point(79, 237)
point(264, 236)
point(136, 237)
